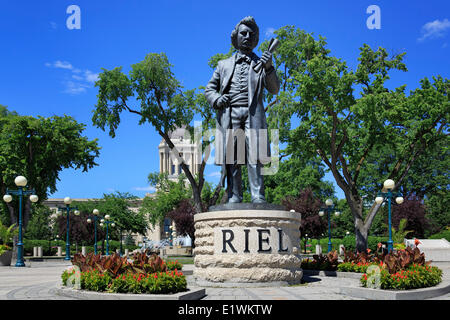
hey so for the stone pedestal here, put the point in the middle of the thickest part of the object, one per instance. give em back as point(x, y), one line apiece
point(59, 252)
point(83, 250)
point(247, 248)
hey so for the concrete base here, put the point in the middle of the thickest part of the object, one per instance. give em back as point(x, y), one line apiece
point(191, 294)
point(414, 294)
point(247, 248)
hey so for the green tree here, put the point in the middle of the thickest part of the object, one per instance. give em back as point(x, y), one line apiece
point(39, 226)
point(294, 175)
point(118, 206)
point(362, 140)
point(39, 149)
point(167, 197)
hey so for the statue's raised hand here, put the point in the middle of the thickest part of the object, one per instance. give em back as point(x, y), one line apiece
point(266, 59)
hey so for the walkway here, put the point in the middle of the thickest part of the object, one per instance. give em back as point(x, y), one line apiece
point(38, 281)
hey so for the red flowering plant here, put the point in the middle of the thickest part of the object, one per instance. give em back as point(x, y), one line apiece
point(172, 265)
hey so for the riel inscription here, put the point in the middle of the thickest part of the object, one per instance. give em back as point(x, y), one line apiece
point(251, 240)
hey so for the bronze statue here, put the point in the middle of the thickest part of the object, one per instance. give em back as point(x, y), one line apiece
point(236, 92)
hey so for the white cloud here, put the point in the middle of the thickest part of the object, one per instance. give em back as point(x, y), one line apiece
point(90, 76)
point(148, 188)
point(81, 80)
point(270, 32)
point(434, 29)
point(62, 65)
point(75, 87)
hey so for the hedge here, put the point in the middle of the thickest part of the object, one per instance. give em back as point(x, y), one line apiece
point(443, 234)
point(349, 243)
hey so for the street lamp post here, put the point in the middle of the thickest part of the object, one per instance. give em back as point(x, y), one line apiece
point(68, 201)
point(107, 222)
point(95, 213)
point(329, 208)
point(21, 182)
point(389, 186)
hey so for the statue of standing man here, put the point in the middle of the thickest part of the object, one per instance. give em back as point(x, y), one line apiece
point(235, 91)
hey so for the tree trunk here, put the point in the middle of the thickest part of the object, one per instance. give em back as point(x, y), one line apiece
point(361, 236)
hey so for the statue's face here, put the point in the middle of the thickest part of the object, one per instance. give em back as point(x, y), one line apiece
point(246, 38)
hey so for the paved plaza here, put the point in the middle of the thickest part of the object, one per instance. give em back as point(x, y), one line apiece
point(39, 280)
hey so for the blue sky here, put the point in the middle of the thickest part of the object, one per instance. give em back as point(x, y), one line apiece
point(48, 69)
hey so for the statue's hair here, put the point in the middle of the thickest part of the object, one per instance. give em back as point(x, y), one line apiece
point(249, 22)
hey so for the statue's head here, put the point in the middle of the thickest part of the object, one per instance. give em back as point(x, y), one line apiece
point(245, 35)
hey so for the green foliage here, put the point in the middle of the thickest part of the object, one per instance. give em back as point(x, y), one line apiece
point(167, 197)
point(348, 242)
point(118, 206)
point(7, 233)
point(400, 234)
point(358, 267)
point(445, 234)
point(39, 224)
point(296, 174)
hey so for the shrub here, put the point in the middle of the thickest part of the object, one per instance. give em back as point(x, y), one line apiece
point(353, 267)
point(3, 248)
point(441, 235)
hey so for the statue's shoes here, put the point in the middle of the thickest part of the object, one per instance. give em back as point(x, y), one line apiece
point(259, 201)
point(234, 199)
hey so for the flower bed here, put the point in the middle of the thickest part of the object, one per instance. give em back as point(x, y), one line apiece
point(414, 277)
point(399, 270)
point(115, 274)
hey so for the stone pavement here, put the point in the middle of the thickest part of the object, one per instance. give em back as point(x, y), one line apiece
point(38, 281)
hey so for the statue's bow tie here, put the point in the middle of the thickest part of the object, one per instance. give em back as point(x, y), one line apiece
point(243, 57)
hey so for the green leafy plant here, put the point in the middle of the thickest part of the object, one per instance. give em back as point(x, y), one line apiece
point(402, 259)
point(400, 234)
point(7, 233)
point(327, 262)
